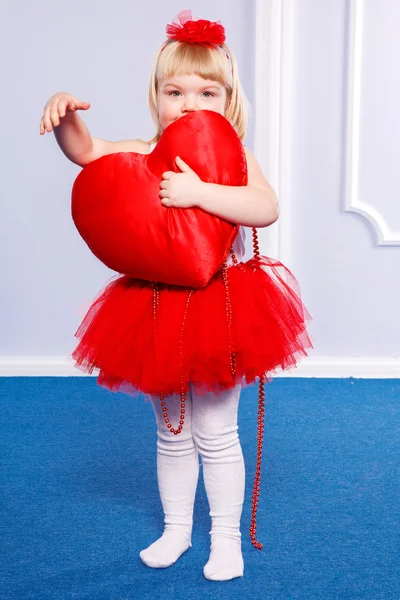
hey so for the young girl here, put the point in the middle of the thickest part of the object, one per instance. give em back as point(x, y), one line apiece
point(195, 386)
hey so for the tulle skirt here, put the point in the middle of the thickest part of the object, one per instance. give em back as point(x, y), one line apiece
point(249, 321)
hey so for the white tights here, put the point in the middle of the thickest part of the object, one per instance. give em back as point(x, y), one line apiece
point(210, 430)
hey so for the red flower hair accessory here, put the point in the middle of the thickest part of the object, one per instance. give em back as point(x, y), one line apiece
point(184, 29)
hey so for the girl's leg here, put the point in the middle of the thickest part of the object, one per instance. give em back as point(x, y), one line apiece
point(215, 431)
point(177, 475)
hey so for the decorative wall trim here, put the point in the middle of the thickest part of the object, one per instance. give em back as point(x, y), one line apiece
point(353, 203)
point(273, 115)
point(329, 366)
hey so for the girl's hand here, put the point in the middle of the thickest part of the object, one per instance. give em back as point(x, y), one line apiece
point(57, 107)
point(181, 190)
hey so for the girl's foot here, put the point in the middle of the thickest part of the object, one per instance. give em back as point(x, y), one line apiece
point(166, 550)
point(226, 560)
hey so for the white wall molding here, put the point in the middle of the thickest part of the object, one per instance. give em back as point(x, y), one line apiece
point(353, 203)
point(273, 114)
point(329, 366)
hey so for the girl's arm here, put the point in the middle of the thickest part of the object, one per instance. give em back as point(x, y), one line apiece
point(81, 148)
point(74, 138)
point(254, 205)
point(72, 135)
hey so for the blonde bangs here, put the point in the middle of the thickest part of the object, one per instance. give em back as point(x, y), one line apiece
point(192, 59)
point(215, 63)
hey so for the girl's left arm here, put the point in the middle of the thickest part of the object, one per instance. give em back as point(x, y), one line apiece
point(254, 204)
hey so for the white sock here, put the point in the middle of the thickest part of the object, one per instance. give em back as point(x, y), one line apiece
point(165, 551)
point(226, 560)
point(177, 475)
point(215, 431)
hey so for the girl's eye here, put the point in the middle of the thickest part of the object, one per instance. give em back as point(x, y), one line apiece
point(176, 93)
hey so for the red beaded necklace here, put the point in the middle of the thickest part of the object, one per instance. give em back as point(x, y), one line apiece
point(261, 385)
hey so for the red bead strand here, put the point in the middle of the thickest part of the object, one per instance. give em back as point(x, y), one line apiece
point(256, 486)
point(156, 302)
point(260, 432)
point(233, 255)
point(182, 392)
point(228, 308)
point(235, 260)
point(261, 393)
point(256, 247)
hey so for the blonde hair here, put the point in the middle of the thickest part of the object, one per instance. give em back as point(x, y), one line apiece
point(209, 62)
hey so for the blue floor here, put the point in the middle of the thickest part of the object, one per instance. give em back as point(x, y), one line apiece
point(80, 499)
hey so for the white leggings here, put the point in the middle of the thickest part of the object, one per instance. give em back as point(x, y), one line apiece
point(211, 430)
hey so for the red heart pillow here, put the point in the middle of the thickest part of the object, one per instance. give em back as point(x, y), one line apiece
point(117, 209)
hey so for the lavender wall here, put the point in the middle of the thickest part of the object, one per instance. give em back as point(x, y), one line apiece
point(102, 53)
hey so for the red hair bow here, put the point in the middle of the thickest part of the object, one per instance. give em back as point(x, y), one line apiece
point(184, 29)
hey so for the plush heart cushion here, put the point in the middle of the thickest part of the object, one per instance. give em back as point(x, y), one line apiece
point(117, 209)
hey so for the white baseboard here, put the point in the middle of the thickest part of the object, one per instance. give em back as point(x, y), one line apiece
point(323, 366)
point(371, 367)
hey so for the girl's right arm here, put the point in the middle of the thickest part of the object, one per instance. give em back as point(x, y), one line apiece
point(73, 136)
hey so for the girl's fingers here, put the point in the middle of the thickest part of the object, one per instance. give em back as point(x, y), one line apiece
point(62, 107)
point(78, 104)
point(83, 105)
point(54, 116)
point(46, 119)
point(182, 165)
point(55, 110)
point(43, 127)
point(168, 174)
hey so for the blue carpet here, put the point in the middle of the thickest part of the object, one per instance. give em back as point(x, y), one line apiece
point(80, 499)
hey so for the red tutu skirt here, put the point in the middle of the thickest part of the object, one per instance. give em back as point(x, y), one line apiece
point(157, 338)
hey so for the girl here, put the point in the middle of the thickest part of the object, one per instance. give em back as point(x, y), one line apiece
point(192, 374)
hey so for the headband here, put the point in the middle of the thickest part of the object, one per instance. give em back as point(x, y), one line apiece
point(184, 29)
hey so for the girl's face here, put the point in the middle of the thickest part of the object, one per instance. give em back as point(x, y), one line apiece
point(182, 94)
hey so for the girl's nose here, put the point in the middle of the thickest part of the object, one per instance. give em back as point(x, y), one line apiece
point(189, 104)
